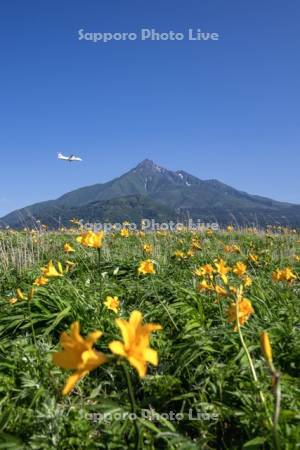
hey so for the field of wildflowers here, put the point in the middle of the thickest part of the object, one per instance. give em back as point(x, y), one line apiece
point(166, 340)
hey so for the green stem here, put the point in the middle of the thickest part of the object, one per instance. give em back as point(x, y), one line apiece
point(33, 331)
point(99, 264)
point(100, 280)
point(219, 300)
point(31, 323)
point(163, 305)
point(251, 365)
point(277, 400)
point(138, 435)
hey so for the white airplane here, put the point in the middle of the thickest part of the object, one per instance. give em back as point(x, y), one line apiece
point(70, 158)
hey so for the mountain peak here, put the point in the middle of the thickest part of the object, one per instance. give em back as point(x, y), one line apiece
point(146, 161)
point(149, 165)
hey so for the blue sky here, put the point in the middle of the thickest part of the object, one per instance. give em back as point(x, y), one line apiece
point(227, 109)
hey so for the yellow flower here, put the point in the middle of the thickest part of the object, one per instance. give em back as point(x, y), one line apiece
point(136, 337)
point(146, 267)
point(124, 232)
point(13, 300)
point(196, 245)
point(222, 270)
point(60, 268)
point(112, 303)
point(190, 253)
point(220, 290)
point(207, 269)
point(179, 254)
point(244, 308)
point(91, 239)
point(21, 296)
point(276, 275)
point(232, 249)
point(230, 228)
point(247, 281)
point(253, 258)
point(147, 248)
point(50, 271)
point(239, 268)
point(40, 281)
point(205, 286)
point(78, 354)
point(297, 258)
point(266, 347)
point(198, 272)
point(283, 275)
point(68, 248)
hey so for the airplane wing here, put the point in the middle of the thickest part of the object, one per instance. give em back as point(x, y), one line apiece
point(74, 158)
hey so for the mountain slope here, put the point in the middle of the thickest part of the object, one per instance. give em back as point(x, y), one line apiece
point(150, 191)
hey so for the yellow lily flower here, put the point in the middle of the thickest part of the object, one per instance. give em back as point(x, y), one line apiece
point(253, 258)
point(68, 248)
point(283, 275)
point(179, 254)
point(147, 248)
point(40, 281)
point(49, 271)
point(207, 269)
point(135, 347)
point(222, 269)
point(124, 232)
point(91, 239)
point(220, 290)
point(78, 354)
point(247, 281)
point(146, 267)
point(205, 286)
point(195, 245)
point(239, 269)
point(112, 303)
point(245, 310)
point(21, 296)
point(232, 249)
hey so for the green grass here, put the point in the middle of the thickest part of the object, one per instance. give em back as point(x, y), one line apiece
point(202, 365)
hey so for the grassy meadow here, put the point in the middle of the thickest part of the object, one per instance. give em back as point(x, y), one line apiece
point(219, 381)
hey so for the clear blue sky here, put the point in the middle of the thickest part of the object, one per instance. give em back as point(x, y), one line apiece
point(227, 110)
